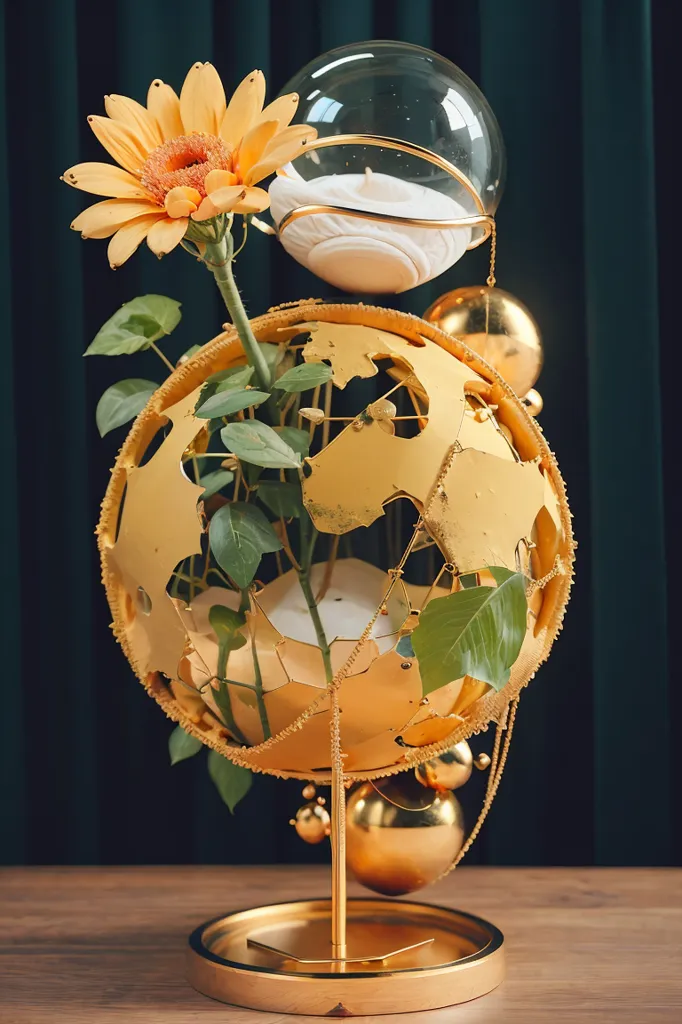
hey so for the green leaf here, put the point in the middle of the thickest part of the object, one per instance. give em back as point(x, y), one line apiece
point(225, 403)
point(274, 354)
point(135, 326)
point(251, 473)
point(231, 780)
point(404, 647)
point(223, 380)
point(476, 632)
point(258, 443)
point(181, 745)
point(304, 377)
point(239, 534)
point(235, 377)
point(189, 353)
point(122, 402)
point(297, 439)
point(226, 624)
point(215, 481)
point(284, 499)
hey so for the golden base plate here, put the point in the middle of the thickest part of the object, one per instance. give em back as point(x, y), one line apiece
point(464, 960)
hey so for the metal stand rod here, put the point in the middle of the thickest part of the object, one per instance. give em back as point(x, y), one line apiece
point(338, 837)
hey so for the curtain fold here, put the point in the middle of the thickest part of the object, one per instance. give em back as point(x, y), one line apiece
point(627, 518)
point(84, 773)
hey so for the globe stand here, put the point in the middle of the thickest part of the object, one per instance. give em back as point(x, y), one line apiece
point(345, 958)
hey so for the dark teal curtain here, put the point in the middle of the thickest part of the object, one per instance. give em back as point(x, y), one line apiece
point(84, 774)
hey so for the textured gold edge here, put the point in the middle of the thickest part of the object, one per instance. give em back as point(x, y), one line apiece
point(489, 708)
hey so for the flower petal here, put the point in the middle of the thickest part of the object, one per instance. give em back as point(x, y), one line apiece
point(285, 146)
point(105, 180)
point(255, 200)
point(103, 219)
point(126, 240)
point(202, 100)
point(252, 146)
point(136, 117)
point(165, 235)
point(282, 109)
point(181, 201)
point(163, 103)
point(300, 133)
point(119, 142)
point(216, 179)
point(244, 108)
point(220, 201)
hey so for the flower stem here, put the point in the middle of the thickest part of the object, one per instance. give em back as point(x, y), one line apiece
point(162, 357)
point(257, 676)
point(308, 538)
point(262, 710)
point(218, 259)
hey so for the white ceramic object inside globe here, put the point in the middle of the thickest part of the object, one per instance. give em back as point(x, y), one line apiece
point(400, 131)
point(367, 256)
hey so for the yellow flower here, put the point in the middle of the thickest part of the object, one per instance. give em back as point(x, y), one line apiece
point(179, 157)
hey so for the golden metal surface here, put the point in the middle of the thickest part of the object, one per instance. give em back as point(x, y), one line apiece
point(400, 836)
point(378, 958)
point(481, 220)
point(300, 711)
point(498, 326)
point(312, 823)
point(464, 960)
point(338, 835)
point(533, 402)
point(449, 770)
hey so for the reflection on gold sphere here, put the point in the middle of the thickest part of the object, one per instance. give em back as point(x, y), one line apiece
point(496, 326)
point(533, 402)
point(312, 823)
point(401, 836)
point(449, 770)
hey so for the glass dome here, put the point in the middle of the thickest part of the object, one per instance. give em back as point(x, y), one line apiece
point(447, 166)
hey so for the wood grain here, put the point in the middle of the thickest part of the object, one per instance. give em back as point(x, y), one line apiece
point(105, 945)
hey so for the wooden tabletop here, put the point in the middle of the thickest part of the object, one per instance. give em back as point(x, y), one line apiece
point(105, 945)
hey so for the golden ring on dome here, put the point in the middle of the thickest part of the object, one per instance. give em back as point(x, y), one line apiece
point(481, 219)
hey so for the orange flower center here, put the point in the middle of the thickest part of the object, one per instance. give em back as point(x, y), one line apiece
point(185, 160)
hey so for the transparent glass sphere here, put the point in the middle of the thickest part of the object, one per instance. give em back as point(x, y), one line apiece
point(402, 92)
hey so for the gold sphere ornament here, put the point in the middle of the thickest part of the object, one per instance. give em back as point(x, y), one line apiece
point(312, 822)
point(443, 446)
point(401, 836)
point(497, 326)
point(449, 770)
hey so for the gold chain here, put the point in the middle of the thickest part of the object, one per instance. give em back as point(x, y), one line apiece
point(497, 762)
point(493, 255)
point(235, 753)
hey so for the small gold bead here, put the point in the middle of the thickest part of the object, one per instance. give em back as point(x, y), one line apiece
point(383, 409)
point(482, 761)
point(313, 415)
point(308, 791)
